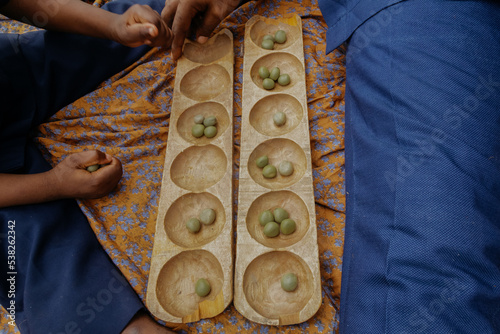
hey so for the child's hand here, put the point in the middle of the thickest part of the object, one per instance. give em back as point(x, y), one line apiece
point(72, 180)
point(140, 25)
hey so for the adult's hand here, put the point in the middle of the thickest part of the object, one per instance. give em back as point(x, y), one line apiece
point(197, 16)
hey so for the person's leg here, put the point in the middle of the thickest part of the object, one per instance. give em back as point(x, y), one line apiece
point(422, 140)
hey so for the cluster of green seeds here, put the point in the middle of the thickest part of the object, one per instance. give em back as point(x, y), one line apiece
point(276, 222)
point(207, 217)
point(204, 126)
point(269, 40)
point(269, 171)
point(203, 288)
point(269, 77)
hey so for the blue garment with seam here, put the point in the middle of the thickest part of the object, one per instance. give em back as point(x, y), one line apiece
point(422, 142)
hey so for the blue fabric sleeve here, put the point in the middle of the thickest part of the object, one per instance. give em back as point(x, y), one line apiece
point(422, 235)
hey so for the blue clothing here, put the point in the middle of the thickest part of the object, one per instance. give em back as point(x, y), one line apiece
point(422, 144)
point(64, 280)
point(343, 17)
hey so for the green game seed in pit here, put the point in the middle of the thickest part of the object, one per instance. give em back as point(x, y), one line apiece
point(193, 225)
point(285, 168)
point(267, 44)
point(263, 72)
point(268, 83)
point(271, 230)
point(198, 119)
point(280, 36)
point(279, 118)
point(287, 226)
point(197, 130)
point(274, 73)
point(262, 161)
point(269, 171)
point(210, 121)
point(202, 287)
point(284, 79)
point(210, 131)
point(280, 214)
point(266, 217)
point(207, 216)
point(289, 282)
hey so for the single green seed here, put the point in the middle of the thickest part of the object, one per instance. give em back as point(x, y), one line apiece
point(207, 216)
point(210, 121)
point(268, 37)
point(288, 226)
point(280, 36)
point(202, 287)
point(198, 119)
point(280, 214)
point(269, 171)
point(289, 282)
point(268, 83)
point(285, 168)
point(284, 79)
point(262, 161)
point(263, 72)
point(267, 44)
point(193, 225)
point(271, 229)
point(210, 131)
point(279, 118)
point(197, 130)
point(274, 73)
point(266, 217)
point(93, 168)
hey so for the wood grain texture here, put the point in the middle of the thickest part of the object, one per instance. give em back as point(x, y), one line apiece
point(261, 261)
point(197, 175)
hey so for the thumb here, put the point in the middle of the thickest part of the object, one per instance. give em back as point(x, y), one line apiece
point(141, 33)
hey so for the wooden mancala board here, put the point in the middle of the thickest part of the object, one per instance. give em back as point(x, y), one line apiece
point(261, 261)
point(197, 175)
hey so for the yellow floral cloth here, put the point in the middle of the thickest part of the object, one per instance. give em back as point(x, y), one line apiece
point(128, 116)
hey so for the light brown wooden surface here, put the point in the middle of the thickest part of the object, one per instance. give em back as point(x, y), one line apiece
point(261, 261)
point(197, 175)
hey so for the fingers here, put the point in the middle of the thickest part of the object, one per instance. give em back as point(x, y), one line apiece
point(181, 24)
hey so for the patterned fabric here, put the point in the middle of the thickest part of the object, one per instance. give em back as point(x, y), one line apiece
point(128, 117)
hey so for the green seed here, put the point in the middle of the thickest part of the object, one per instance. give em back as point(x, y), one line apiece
point(268, 37)
point(207, 216)
point(266, 217)
point(284, 79)
point(202, 287)
point(210, 131)
point(285, 168)
point(279, 118)
point(268, 83)
point(287, 226)
point(263, 72)
point(197, 130)
point(210, 120)
point(198, 119)
point(280, 214)
point(262, 161)
point(275, 73)
point(93, 168)
point(280, 36)
point(193, 225)
point(271, 229)
point(267, 44)
point(289, 282)
point(269, 171)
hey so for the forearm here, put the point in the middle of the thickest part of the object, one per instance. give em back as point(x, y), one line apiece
point(72, 16)
point(26, 189)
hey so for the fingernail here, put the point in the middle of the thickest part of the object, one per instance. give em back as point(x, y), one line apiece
point(202, 39)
